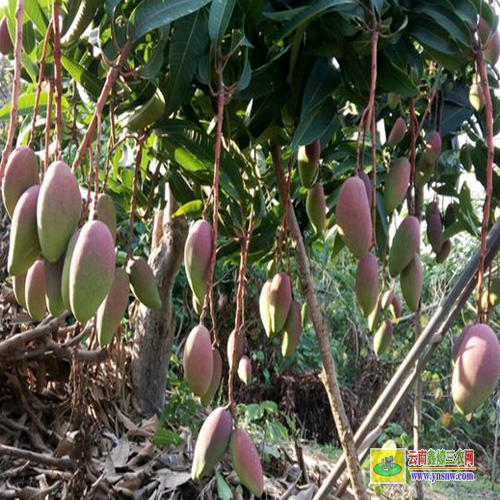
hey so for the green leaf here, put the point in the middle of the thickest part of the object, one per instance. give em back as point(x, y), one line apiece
point(189, 40)
point(83, 76)
point(26, 104)
point(189, 208)
point(165, 437)
point(223, 490)
point(320, 85)
point(150, 15)
point(218, 20)
point(34, 12)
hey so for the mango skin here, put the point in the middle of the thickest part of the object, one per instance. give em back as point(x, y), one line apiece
point(305, 316)
point(396, 184)
point(405, 245)
point(35, 291)
point(445, 251)
point(53, 287)
point(21, 172)
point(105, 211)
point(143, 283)
point(264, 299)
point(383, 337)
point(92, 270)
point(245, 369)
point(112, 310)
point(24, 246)
point(19, 288)
point(308, 162)
point(197, 257)
point(367, 283)
point(316, 207)
point(292, 330)
point(477, 368)
point(212, 442)
point(368, 185)
point(433, 148)
point(396, 307)
point(246, 462)
point(397, 133)
point(493, 295)
point(412, 279)
point(354, 217)
point(66, 267)
point(490, 41)
point(435, 231)
point(240, 347)
point(198, 360)
point(6, 45)
point(280, 299)
point(423, 173)
point(207, 398)
point(58, 211)
point(476, 96)
point(374, 316)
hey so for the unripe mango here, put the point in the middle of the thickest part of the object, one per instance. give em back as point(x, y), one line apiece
point(490, 41)
point(405, 245)
point(393, 100)
point(197, 257)
point(368, 184)
point(92, 270)
point(245, 369)
point(375, 314)
point(240, 347)
point(308, 160)
point(477, 368)
point(197, 305)
point(432, 148)
point(397, 133)
point(206, 399)
point(444, 252)
point(435, 231)
point(476, 96)
point(53, 287)
point(396, 184)
point(423, 173)
point(316, 207)
point(66, 267)
point(305, 316)
point(24, 247)
point(105, 212)
point(143, 283)
point(383, 337)
point(367, 283)
point(396, 307)
point(35, 291)
point(21, 172)
point(450, 214)
point(353, 217)
point(198, 360)
point(246, 462)
point(6, 45)
point(292, 330)
point(280, 299)
point(19, 288)
point(466, 158)
point(387, 299)
point(412, 279)
point(111, 311)
point(212, 442)
point(58, 211)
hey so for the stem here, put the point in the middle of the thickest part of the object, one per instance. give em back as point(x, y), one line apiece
point(374, 183)
point(16, 88)
point(138, 161)
point(48, 124)
point(414, 131)
point(97, 160)
point(58, 76)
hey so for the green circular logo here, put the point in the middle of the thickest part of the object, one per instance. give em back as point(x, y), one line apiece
point(396, 469)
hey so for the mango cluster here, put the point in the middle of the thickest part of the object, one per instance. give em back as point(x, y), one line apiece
point(57, 265)
point(217, 436)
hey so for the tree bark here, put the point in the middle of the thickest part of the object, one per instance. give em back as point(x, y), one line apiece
point(154, 330)
point(329, 376)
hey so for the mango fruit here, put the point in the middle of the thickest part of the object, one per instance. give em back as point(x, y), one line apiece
point(35, 291)
point(316, 207)
point(105, 211)
point(280, 299)
point(397, 133)
point(396, 184)
point(264, 299)
point(433, 148)
point(423, 173)
point(19, 288)
point(465, 157)
point(490, 41)
point(92, 270)
point(246, 462)
point(240, 347)
point(197, 257)
point(405, 245)
point(367, 283)
point(477, 368)
point(435, 231)
point(66, 267)
point(198, 360)
point(212, 442)
point(24, 247)
point(383, 338)
point(53, 287)
point(245, 369)
point(143, 283)
point(305, 316)
point(308, 162)
point(215, 381)
point(396, 307)
point(21, 172)
point(494, 293)
point(476, 96)
point(444, 252)
point(58, 211)
point(374, 316)
point(387, 299)
point(411, 283)
point(354, 217)
point(292, 330)
point(368, 185)
point(6, 45)
point(112, 310)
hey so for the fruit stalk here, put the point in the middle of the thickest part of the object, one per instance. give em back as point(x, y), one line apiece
point(48, 124)
point(16, 88)
point(57, 76)
point(97, 160)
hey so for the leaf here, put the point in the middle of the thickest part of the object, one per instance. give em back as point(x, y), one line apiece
point(26, 105)
point(110, 6)
point(34, 12)
point(165, 437)
point(223, 490)
point(218, 20)
point(83, 76)
point(319, 86)
point(150, 15)
point(189, 41)
point(189, 208)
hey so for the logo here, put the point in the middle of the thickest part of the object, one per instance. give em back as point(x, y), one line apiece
point(387, 466)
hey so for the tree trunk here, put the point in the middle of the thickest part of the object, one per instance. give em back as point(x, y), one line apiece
point(154, 330)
